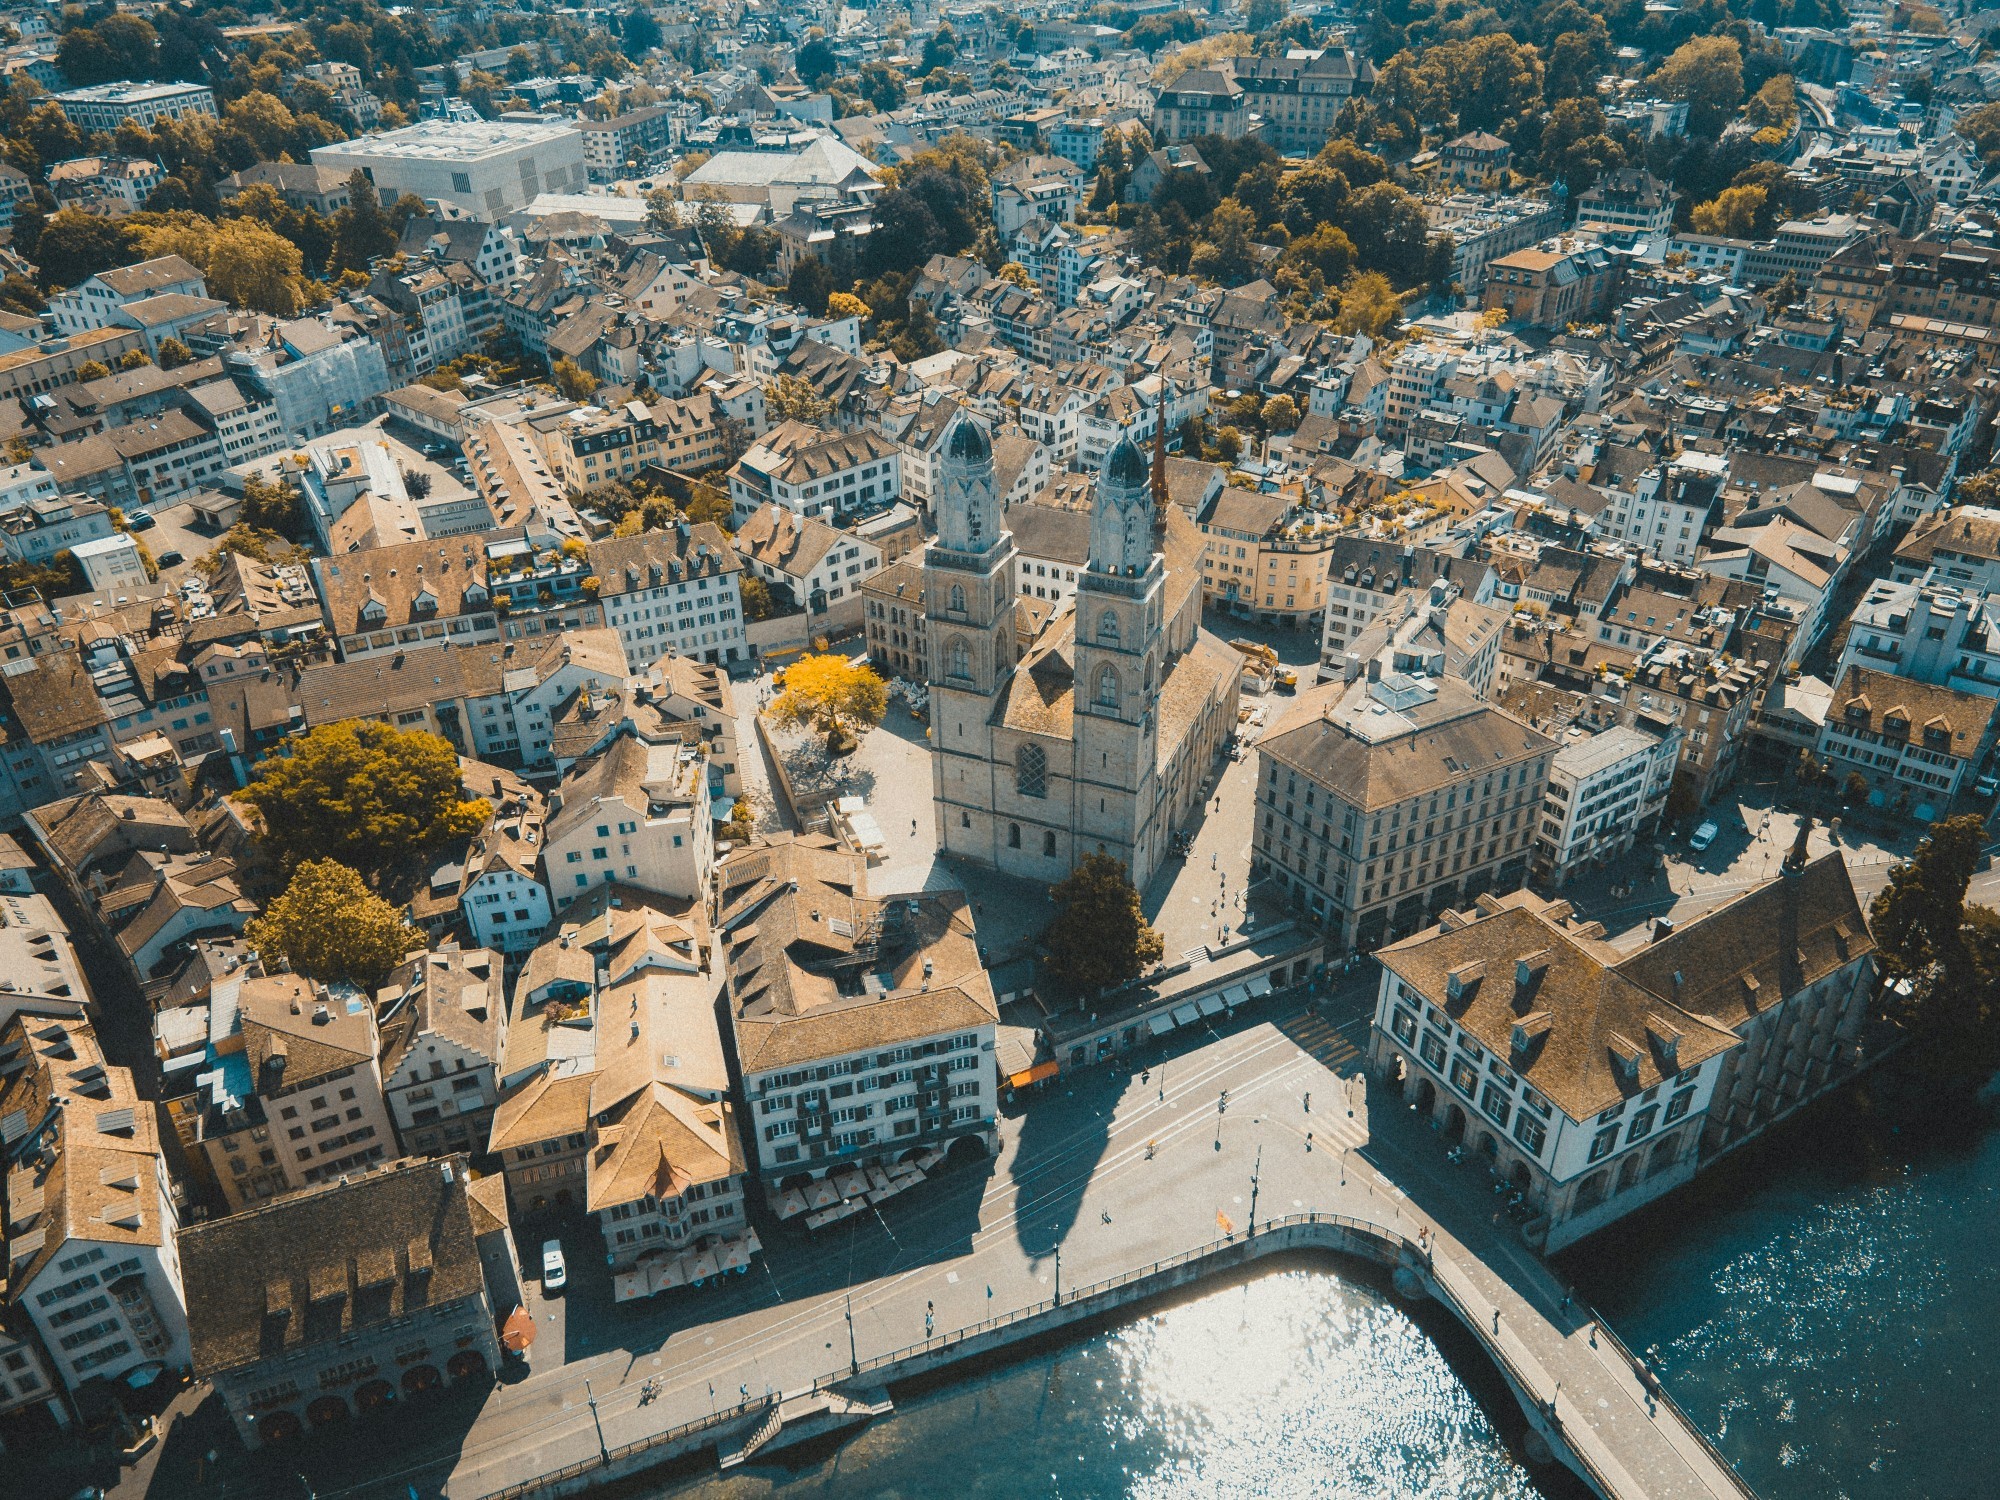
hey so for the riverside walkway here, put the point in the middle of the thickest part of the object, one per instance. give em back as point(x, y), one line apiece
point(1101, 1198)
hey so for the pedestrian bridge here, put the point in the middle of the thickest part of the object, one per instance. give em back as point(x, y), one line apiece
point(1591, 1404)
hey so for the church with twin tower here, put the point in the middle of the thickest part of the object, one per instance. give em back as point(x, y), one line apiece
point(1101, 731)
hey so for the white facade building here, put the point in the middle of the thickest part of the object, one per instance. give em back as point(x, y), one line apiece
point(1604, 791)
point(487, 168)
point(106, 106)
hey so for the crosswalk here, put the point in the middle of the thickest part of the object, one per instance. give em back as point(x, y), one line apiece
point(1320, 1041)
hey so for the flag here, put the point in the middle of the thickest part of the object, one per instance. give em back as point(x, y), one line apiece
point(1222, 1222)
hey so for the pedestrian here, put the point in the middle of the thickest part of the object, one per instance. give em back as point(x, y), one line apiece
point(1212, 860)
point(1106, 1216)
point(913, 828)
point(1309, 1101)
point(1309, 1140)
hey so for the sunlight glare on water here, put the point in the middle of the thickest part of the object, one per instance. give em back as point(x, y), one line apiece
point(1297, 1384)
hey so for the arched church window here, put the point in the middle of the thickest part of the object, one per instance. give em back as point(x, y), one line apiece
point(957, 599)
point(1013, 835)
point(1031, 771)
point(958, 660)
point(1107, 687)
point(1107, 627)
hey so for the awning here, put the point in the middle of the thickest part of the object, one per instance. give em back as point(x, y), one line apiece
point(1260, 986)
point(1160, 1024)
point(519, 1330)
point(1035, 1074)
point(1185, 1015)
point(1210, 1004)
point(1234, 996)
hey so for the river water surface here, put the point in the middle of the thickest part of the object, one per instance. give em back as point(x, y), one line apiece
point(1825, 1305)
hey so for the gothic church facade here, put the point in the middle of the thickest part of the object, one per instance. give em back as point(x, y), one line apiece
point(1103, 732)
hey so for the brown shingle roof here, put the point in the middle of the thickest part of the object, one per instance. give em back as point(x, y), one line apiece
point(314, 1267)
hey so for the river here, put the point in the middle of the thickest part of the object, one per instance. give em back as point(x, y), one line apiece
point(1824, 1304)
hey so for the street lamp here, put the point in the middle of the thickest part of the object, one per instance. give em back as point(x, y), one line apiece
point(853, 1359)
point(1256, 1168)
point(603, 1453)
point(1059, 1276)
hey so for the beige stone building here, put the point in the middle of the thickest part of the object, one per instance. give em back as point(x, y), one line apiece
point(1386, 799)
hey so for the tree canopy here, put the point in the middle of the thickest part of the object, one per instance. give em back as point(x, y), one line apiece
point(328, 925)
point(1943, 960)
point(833, 695)
point(362, 793)
point(1100, 936)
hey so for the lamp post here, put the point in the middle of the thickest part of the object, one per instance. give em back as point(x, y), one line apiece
point(1059, 1276)
point(603, 1453)
point(853, 1359)
point(1255, 1169)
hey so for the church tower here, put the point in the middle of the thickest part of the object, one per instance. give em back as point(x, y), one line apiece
point(969, 619)
point(1120, 663)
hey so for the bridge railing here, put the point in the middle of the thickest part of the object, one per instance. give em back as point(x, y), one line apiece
point(1453, 1285)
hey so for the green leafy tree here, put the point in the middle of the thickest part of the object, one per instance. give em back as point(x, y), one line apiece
point(174, 354)
point(1100, 937)
point(756, 593)
point(1708, 73)
point(361, 231)
point(810, 285)
point(328, 925)
point(269, 506)
point(1262, 15)
point(1227, 252)
point(74, 246)
point(1280, 414)
point(816, 63)
point(789, 398)
point(1944, 960)
point(575, 382)
point(362, 793)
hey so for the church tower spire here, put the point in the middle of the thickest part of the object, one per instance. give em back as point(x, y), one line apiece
point(969, 619)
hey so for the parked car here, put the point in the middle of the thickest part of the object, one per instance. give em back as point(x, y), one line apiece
point(169, 559)
point(1986, 786)
point(1703, 837)
point(139, 520)
point(555, 1272)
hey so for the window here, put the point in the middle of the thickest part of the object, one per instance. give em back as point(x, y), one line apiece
point(1107, 687)
point(1031, 771)
point(957, 599)
point(1642, 1124)
point(1431, 1049)
point(1679, 1105)
point(1602, 1143)
point(1013, 835)
point(958, 660)
point(1049, 842)
point(1405, 1025)
point(1107, 628)
point(1530, 1132)
point(1497, 1103)
point(1464, 1077)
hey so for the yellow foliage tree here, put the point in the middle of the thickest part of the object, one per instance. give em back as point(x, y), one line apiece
point(833, 695)
point(329, 925)
point(362, 793)
point(245, 262)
